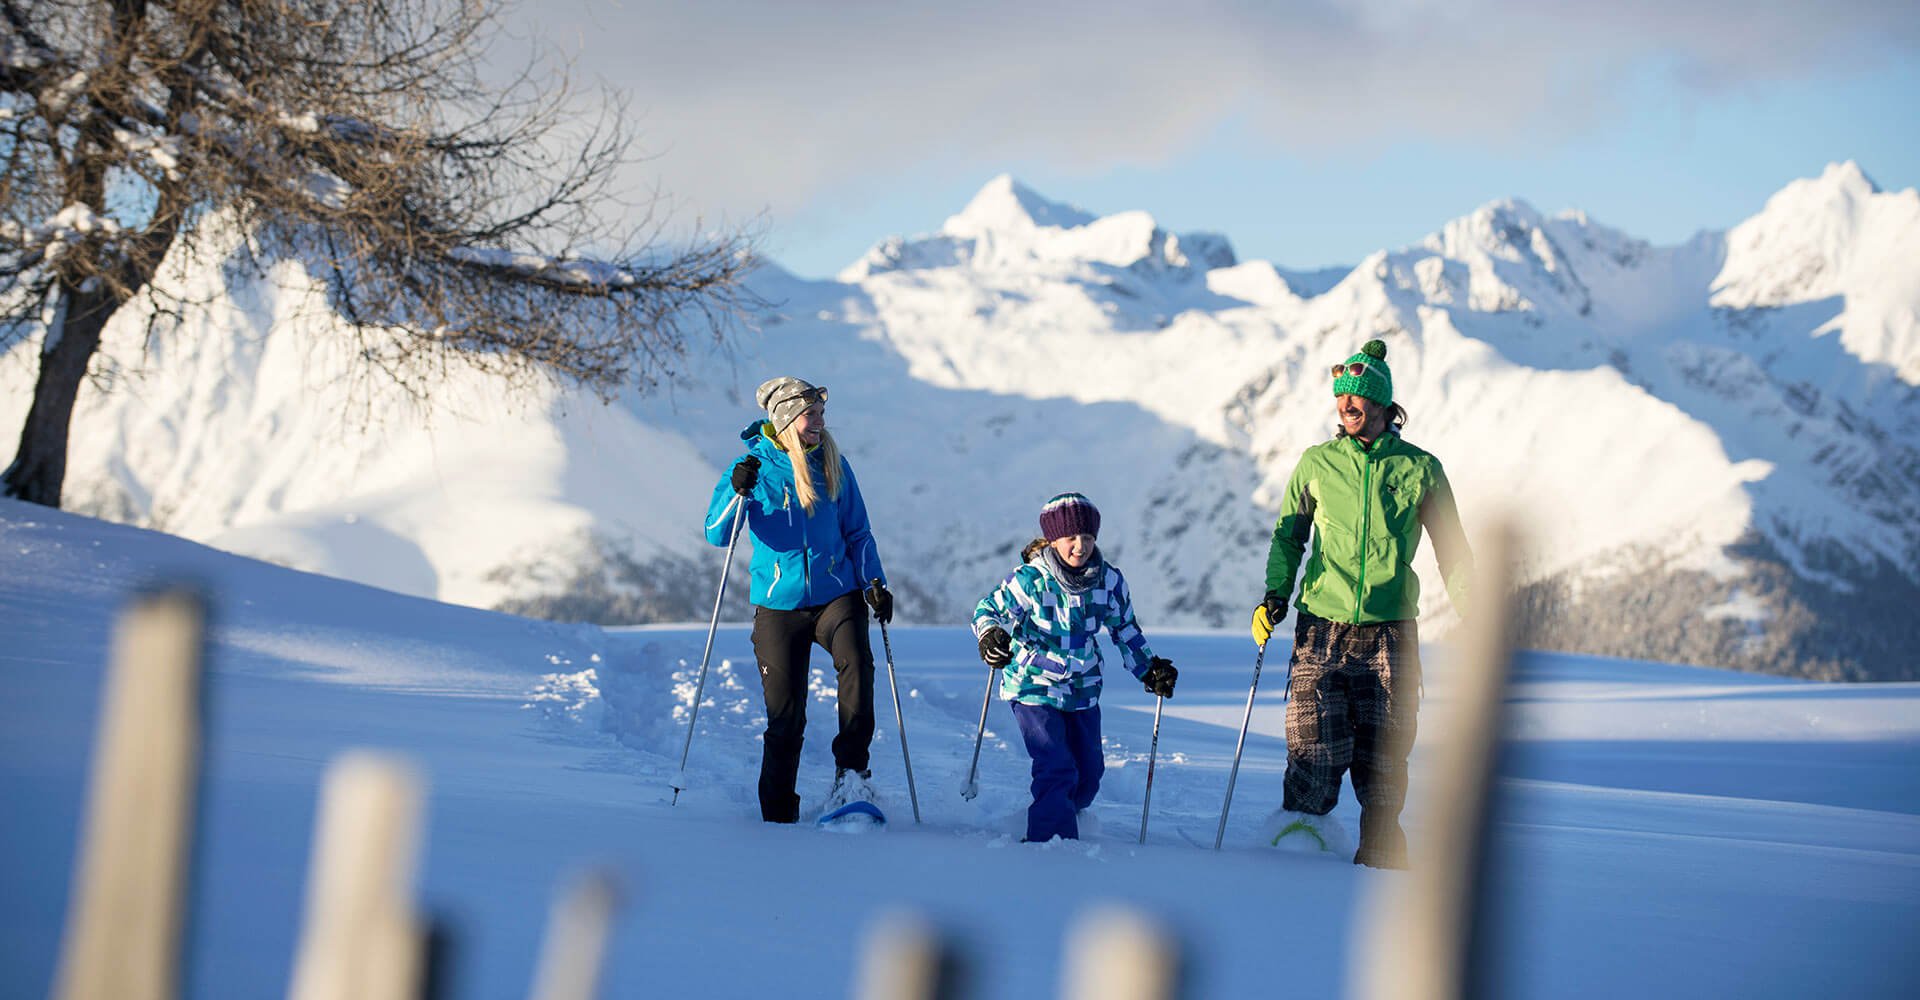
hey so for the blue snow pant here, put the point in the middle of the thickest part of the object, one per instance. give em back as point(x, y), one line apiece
point(1067, 764)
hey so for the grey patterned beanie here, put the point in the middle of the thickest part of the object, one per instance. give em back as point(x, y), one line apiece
point(785, 397)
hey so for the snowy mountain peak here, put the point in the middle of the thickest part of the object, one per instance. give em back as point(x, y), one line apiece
point(1005, 205)
point(1845, 175)
point(1818, 238)
point(1839, 194)
point(1501, 228)
point(1502, 257)
point(1009, 226)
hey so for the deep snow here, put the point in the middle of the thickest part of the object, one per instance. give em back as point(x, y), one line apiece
point(1669, 831)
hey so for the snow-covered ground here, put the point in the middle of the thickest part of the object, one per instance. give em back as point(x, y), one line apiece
point(1669, 831)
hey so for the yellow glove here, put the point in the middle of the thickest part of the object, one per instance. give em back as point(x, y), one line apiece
point(1273, 607)
point(1262, 626)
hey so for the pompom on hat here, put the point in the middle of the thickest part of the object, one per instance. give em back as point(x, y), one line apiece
point(1069, 514)
point(1365, 374)
point(785, 398)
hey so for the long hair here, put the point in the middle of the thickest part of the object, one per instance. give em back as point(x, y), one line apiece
point(803, 487)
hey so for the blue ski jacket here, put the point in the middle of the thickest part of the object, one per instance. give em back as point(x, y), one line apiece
point(800, 560)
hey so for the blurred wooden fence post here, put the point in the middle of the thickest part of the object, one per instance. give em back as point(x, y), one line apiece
point(122, 938)
point(576, 942)
point(907, 958)
point(1116, 954)
point(1419, 937)
point(361, 938)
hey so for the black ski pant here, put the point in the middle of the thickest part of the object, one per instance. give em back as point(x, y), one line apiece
point(782, 643)
point(1352, 703)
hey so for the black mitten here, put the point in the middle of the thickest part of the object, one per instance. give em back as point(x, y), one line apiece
point(996, 647)
point(746, 473)
point(880, 599)
point(1160, 677)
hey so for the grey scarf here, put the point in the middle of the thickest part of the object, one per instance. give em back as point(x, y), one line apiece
point(1075, 581)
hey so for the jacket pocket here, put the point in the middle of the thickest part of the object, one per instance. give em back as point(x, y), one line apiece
point(1400, 495)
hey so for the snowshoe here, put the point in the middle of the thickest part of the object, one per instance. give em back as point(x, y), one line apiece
point(1305, 833)
point(851, 805)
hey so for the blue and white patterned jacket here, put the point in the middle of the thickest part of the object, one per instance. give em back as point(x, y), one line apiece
point(1056, 661)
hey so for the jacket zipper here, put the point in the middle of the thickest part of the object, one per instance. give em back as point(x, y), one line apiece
point(806, 550)
point(775, 582)
point(1366, 510)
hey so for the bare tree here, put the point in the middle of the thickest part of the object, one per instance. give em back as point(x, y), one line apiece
point(452, 219)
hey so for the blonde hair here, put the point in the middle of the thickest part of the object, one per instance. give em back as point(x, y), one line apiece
point(803, 487)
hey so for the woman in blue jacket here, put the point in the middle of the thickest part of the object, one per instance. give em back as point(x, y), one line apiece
point(813, 557)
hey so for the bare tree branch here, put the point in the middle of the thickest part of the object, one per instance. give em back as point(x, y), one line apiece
point(455, 222)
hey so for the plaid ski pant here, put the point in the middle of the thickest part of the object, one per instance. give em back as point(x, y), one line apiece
point(1352, 702)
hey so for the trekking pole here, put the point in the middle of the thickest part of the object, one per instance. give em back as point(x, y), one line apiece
point(739, 516)
point(894, 683)
point(1153, 751)
point(972, 787)
point(1233, 774)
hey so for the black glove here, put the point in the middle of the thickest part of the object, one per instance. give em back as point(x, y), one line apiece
point(880, 599)
point(1160, 677)
point(746, 473)
point(996, 647)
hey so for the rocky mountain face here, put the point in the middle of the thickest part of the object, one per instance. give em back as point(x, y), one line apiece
point(1710, 445)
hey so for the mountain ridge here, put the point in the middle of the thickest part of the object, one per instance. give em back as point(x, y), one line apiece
point(1711, 435)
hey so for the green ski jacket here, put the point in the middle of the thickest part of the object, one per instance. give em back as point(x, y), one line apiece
point(1364, 508)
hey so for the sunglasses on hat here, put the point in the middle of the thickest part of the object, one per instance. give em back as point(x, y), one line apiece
point(817, 394)
point(1357, 369)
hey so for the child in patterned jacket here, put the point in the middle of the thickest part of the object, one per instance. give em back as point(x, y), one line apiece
point(1040, 624)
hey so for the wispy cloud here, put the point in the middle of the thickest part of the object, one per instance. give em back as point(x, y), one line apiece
point(759, 104)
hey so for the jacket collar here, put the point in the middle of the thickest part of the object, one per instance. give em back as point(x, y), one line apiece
point(1381, 444)
point(760, 441)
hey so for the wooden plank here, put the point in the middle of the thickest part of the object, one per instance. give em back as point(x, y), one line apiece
point(1419, 936)
point(576, 942)
point(124, 917)
point(1118, 954)
point(361, 938)
point(907, 958)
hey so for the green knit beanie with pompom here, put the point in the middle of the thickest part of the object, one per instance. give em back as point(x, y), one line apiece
point(1375, 380)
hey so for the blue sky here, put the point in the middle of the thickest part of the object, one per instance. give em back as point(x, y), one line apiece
point(1310, 134)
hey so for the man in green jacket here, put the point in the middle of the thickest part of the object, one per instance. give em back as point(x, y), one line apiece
point(1362, 498)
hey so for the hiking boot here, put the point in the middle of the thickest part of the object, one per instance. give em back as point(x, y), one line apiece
point(849, 786)
point(1382, 844)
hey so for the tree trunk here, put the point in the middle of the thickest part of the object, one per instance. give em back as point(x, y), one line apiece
point(39, 468)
